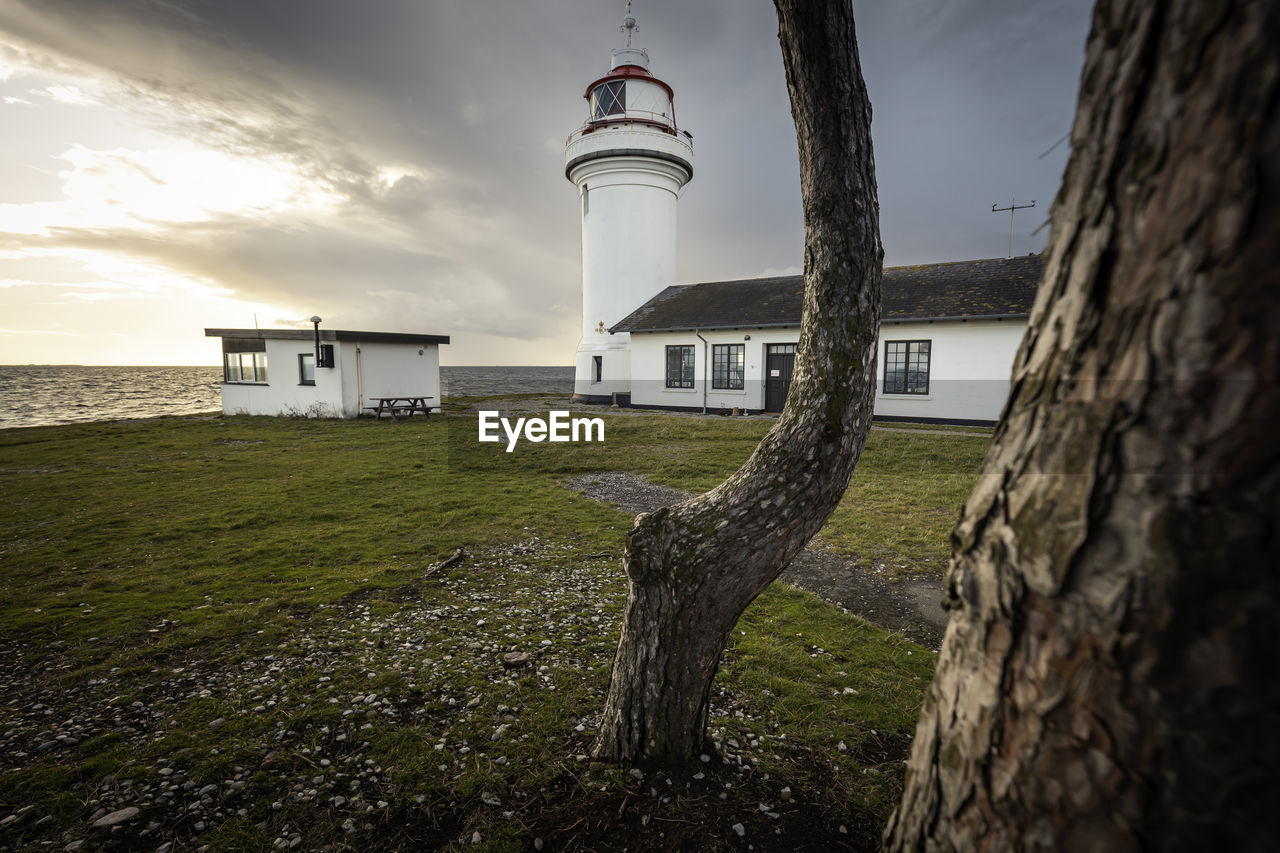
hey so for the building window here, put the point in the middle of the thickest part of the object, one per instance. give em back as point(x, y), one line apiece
point(680, 366)
point(727, 362)
point(597, 368)
point(245, 367)
point(906, 367)
point(244, 360)
point(307, 368)
point(609, 99)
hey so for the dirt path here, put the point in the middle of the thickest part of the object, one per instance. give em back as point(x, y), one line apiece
point(912, 606)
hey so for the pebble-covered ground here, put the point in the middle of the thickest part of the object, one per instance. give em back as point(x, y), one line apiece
point(456, 710)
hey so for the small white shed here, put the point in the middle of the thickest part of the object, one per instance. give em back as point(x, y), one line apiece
point(328, 373)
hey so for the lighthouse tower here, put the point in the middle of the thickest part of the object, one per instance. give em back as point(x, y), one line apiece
point(629, 162)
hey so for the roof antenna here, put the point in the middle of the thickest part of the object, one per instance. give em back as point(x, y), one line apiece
point(629, 25)
point(1011, 208)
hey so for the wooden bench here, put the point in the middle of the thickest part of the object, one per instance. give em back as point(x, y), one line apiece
point(396, 406)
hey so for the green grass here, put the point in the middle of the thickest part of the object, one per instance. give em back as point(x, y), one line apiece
point(140, 561)
point(904, 499)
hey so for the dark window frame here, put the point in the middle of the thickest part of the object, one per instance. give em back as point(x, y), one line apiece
point(905, 362)
point(726, 375)
point(236, 376)
point(597, 369)
point(685, 366)
point(234, 350)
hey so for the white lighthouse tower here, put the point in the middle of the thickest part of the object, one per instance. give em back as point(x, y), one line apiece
point(629, 162)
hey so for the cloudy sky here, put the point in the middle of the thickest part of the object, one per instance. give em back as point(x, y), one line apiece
point(167, 165)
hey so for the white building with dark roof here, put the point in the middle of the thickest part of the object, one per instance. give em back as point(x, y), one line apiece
point(949, 332)
point(948, 336)
point(333, 373)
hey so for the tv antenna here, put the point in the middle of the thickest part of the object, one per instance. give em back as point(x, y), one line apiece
point(1011, 208)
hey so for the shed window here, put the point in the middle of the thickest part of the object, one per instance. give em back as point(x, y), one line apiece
point(244, 360)
point(727, 361)
point(680, 366)
point(906, 367)
point(307, 368)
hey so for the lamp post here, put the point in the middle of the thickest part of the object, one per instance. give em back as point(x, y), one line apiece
point(315, 321)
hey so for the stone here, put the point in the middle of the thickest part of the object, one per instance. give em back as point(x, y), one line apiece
point(515, 660)
point(117, 817)
point(739, 829)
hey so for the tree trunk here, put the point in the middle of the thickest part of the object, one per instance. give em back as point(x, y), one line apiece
point(1108, 677)
point(693, 568)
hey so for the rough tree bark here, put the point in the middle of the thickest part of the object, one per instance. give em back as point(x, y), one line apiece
point(693, 568)
point(1108, 677)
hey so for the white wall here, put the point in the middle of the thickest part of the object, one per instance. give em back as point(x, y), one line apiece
point(649, 363)
point(282, 394)
point(389, 370)
point(628, 209)
point(364, 371)
point(969, 370)
point(615, 375)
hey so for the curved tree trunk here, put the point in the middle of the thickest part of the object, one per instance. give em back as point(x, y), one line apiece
point(693, 568)
point(1108, 677)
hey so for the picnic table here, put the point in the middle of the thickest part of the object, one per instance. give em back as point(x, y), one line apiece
point(395, 406)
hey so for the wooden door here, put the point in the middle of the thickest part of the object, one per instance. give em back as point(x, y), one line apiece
point(780, 361)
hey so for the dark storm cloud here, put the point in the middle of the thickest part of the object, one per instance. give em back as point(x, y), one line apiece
point(477, 97)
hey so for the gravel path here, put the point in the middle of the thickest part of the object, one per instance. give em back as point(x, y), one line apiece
point(912, 606)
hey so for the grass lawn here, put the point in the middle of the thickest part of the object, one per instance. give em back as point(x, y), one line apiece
point(232, 625)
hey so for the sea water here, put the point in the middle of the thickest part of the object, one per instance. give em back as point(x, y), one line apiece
point(38, 395)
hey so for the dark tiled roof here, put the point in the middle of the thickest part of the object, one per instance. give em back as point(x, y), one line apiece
point(995, 287)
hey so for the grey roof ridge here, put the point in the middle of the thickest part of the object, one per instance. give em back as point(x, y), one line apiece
point(893, 320)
